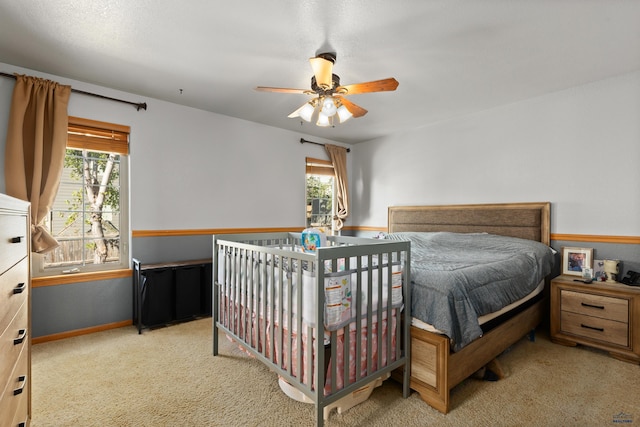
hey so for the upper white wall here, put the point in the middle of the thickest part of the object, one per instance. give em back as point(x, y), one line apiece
point(191, 169)
point(578, 148)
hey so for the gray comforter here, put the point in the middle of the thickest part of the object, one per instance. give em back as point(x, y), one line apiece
point(458, 277)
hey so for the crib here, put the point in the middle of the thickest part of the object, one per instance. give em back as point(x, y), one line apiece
point(331, 323)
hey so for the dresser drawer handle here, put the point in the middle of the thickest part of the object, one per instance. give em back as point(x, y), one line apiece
point(601, 307)
point(592, 327)
point(17, 239)
point(22, 334)
point(20, 288)
point(22, 379)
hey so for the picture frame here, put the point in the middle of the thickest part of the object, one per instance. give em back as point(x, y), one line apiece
point(575, 259)
point(598, 270)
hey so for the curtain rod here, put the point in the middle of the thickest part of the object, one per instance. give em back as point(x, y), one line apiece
point(302, 141)
point(138, 105)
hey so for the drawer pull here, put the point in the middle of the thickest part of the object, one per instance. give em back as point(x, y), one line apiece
point(600, 307)
point(22, 334)
point(17, 239)
point(20, 288)
point(22, 379)
point(592, 327)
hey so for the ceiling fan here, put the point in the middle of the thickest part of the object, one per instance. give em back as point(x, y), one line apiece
point(330, 102)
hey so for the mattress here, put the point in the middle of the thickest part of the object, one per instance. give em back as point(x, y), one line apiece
point(458, 277)
point(484, 319)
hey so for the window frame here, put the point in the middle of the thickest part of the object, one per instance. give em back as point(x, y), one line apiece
point(100, 136)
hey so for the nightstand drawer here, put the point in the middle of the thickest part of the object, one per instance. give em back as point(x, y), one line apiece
point(596, 328)
point(600, 306)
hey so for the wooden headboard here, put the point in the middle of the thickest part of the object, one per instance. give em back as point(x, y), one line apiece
point(524, 220)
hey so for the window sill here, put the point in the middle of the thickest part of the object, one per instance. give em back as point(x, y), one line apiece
point(65, 279)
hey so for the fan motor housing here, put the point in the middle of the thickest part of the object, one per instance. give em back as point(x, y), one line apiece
point(335, 82)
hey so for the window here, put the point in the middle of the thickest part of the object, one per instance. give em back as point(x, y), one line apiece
point(89, 217)
point(319, 193)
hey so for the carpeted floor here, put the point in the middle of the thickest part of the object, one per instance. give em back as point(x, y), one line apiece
point(168, 377)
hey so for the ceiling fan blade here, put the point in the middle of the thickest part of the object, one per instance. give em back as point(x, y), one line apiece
point(323, 70)
point(282, 90)
point(354, 109)
point(375, 86)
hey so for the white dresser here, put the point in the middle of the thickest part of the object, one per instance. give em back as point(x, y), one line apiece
point(15, 317)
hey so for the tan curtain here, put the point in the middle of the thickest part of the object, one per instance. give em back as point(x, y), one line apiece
point(338, 156)
point(35, 149)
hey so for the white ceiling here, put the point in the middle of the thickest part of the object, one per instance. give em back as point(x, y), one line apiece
point(451, 57)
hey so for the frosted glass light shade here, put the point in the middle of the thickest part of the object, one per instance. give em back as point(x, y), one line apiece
point(344, 114)
point(323, 119)
point(307, 111)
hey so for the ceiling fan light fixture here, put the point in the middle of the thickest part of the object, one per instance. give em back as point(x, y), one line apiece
point(330, 104)
point(344, 114)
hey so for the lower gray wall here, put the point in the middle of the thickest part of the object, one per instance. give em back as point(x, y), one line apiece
point(628, 254)
point(171, 248)
point(70, 307)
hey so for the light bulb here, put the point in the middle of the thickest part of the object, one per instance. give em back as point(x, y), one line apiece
point(329, 106)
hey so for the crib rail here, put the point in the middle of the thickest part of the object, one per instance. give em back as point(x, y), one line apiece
point(329, 322)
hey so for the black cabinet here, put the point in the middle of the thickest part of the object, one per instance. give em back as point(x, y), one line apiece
point(170, 292)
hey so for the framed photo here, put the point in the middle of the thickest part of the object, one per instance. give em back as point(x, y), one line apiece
point(575, 259)
point(598, 270)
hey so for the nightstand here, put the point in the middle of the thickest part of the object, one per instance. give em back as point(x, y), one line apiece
point(599, 314)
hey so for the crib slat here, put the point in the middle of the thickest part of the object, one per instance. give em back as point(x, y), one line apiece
point(262, 320)
point(358, 336)
point(369, 313)
point(379, 310)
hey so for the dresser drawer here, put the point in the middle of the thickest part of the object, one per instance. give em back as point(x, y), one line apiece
point(16, 391)
point(14, 291)
point(12, 227)
point(601, 306)
point(13, 340)
point(604, 330)
point(21, 417)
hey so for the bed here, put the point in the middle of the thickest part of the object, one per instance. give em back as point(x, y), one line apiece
point(331, 323)
point(435, 367)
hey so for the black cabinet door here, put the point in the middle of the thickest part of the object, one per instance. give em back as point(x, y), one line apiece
point(157, 296)
point(188, 285)
point(206, 291)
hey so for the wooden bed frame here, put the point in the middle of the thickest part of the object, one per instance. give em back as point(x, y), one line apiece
point(435, 370)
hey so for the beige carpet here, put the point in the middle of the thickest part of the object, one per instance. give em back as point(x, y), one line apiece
point(168, 377)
